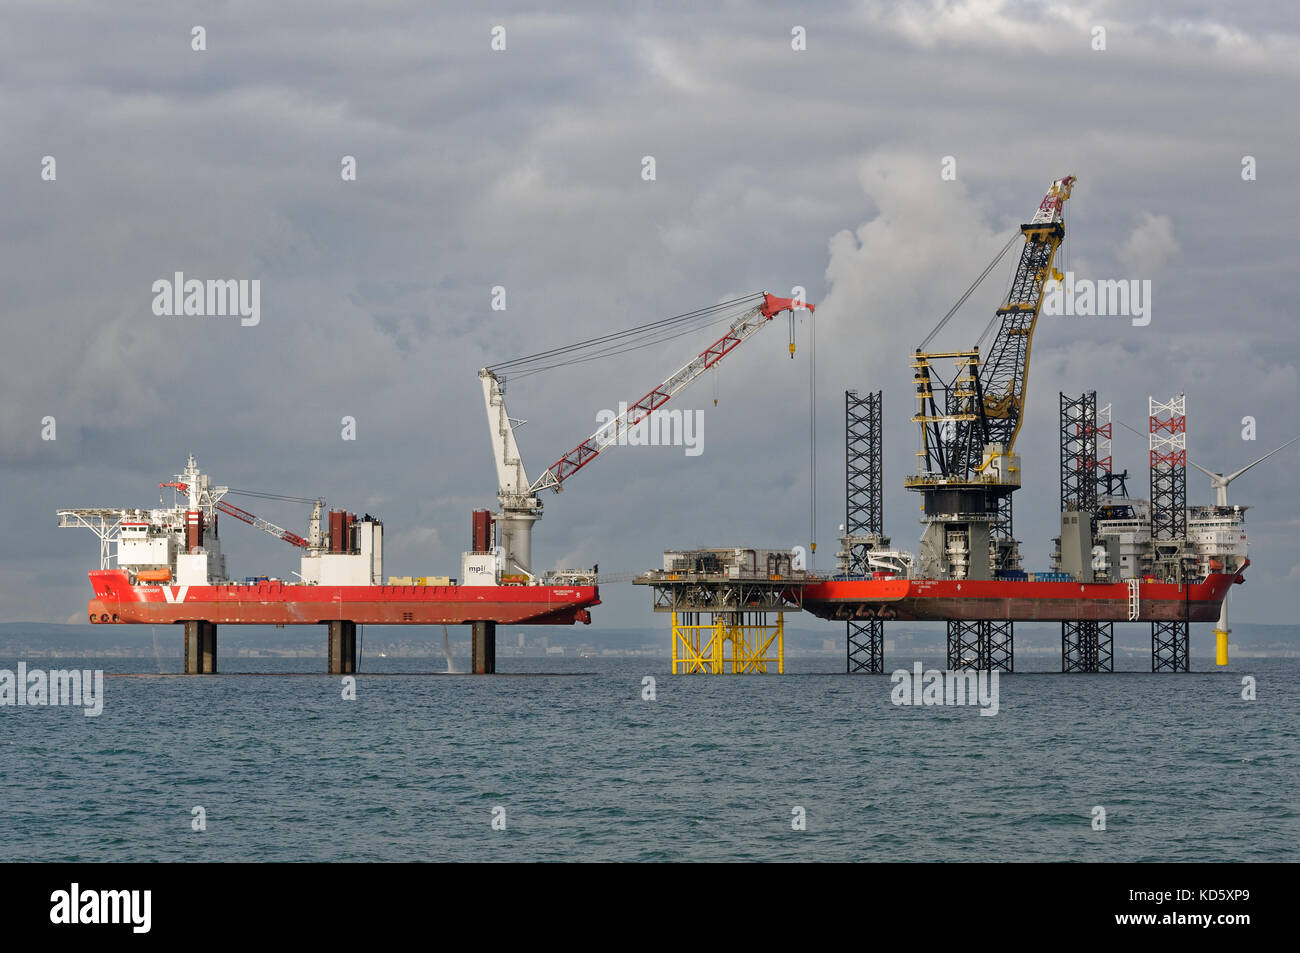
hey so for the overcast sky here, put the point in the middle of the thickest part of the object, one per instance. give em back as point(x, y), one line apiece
point(523, 168)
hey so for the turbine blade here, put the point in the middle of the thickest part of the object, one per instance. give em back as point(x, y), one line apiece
point(1229, 479)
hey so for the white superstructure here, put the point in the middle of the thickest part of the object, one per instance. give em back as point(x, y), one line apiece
point(180, 545)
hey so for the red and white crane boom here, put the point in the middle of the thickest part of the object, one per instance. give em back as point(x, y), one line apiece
point(607, 436)
point(520, 507)
point(265, 526)
point(201, 496)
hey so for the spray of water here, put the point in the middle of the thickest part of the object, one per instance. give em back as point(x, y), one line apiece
point(446, 650)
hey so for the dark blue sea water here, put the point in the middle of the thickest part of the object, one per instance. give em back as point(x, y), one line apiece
point(287, 770)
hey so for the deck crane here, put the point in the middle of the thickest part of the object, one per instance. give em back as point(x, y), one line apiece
point(203, 497)
point(265, 526)
point(520, 504)
point(969, 421)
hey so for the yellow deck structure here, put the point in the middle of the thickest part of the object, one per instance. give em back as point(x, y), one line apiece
point(728, 608)
point(728, 643)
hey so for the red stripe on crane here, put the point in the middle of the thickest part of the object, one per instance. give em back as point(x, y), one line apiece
point(585, 452)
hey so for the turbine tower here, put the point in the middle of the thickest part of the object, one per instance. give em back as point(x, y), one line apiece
point(1220, 484)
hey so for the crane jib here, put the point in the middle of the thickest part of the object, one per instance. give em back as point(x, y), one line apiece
point(982, 403)
point(520, 507)
point(265, 525)
point(743, 327)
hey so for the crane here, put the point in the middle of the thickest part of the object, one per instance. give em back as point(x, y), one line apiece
point(985, 403)
point(202, 496)
point(520, 505)
point(1004, 374)
point(969, 420)
point(264, 525)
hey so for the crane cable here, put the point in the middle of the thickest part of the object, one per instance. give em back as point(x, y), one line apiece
point(523, 369)
point(271, 496)
point(615, 349)
point(1065, 261)
point(654, 327)
point(969, 291)
point(997, 318)
point(812, 430)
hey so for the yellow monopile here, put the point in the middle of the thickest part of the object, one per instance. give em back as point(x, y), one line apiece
point(1220, 647)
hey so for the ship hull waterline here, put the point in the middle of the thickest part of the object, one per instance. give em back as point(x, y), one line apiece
point(275, 603)
point(1002, 600)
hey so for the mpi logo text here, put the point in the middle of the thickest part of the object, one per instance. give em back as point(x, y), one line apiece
point(1085, 298)
point(216, 297)
point(35, 688)
point(77, 906)
point(658, 428)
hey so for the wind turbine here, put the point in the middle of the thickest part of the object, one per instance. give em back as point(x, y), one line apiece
point(1220, 484)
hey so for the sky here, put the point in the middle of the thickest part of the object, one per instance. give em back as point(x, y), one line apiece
point(523, 168)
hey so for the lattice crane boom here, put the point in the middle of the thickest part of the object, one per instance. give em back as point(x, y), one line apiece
point(265, 526)
point(212, 500)
point(520, 506)
point(984, 402)
point(1004, 371)
point(607, 435)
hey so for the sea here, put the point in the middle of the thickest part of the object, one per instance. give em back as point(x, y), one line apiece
point(617, 759)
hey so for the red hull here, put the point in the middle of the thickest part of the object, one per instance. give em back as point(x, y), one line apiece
point(925, 600)
point(276, 603)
